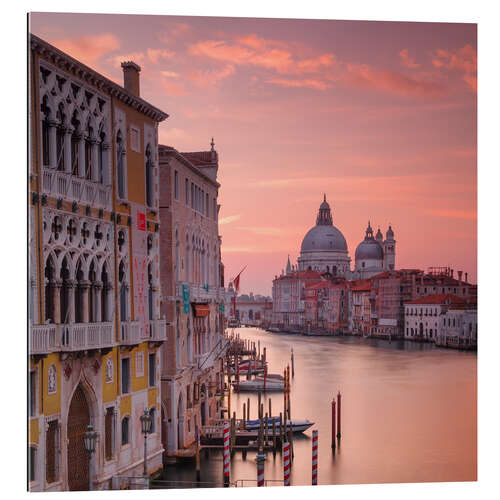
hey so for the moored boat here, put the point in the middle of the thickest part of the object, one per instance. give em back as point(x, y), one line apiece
point(258, 385)
point(297, 425)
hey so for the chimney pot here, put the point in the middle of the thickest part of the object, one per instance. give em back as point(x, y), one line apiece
point(466, 278)
point(459, 275)
point(131, 72)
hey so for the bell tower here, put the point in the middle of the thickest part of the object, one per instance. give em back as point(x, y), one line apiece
point(389, 250)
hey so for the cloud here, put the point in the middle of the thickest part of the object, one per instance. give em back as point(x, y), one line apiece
point(463, 60)
point(229, 219)
point(204, 78)
point(169, 135)
point(304, 83)
point(173, 89)
point(154, 55)
point(266, 231)
point(170, 74)
point(406, 60)
point(251, 50)
point(454, 214)
point(391, 82)
point(88, 48)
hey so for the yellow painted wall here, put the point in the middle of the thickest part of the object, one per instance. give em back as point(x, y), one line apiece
point(140, 383)
point(109, 389)
point(51, 402)
point(125, 406)
point(34, 431)
point(136, 173)
point(153, 397)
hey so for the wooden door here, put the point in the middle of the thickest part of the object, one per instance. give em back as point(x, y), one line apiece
point(78, 457)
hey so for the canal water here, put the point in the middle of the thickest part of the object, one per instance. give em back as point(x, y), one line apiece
point(408, 412)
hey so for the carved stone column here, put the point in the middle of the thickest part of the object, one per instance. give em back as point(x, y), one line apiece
point(55, 290)
point(71, 301)
point(85, 287)
point(81, 156)
point(96, 306)
point(53, 144)
point(67, 150)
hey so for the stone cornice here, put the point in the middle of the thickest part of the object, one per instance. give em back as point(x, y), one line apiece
point(80, 70)
point(166, 151)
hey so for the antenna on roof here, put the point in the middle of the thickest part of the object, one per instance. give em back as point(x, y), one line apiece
point(212, 144)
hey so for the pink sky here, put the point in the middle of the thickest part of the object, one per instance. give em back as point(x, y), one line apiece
point(381, 116)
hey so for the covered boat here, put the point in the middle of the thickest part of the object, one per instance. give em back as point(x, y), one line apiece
point(258, 385)
point(297, 425)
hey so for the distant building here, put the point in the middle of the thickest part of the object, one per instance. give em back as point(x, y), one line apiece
point(423, 315)
point(252, 310)
point(458, 327)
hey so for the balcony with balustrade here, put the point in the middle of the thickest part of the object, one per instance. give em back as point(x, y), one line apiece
point(155, 331)
point(130, 333)
point(60, 184)
point(45, 339)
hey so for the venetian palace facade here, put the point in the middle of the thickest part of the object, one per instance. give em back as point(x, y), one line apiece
point(192, 281)
point(94, 303)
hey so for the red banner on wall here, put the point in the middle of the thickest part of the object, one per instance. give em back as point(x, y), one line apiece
point(141, 221)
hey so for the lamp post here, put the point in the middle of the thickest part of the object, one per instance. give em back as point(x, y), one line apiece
point(146, 424)
point(89, 439)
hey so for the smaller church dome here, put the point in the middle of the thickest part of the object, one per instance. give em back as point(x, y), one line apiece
point(369, 248)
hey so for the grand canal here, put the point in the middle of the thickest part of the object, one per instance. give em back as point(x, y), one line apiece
point(408, 412)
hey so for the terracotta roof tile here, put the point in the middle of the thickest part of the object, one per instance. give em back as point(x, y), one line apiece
point(440, 298)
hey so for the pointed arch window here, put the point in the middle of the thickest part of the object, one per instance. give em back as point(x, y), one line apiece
point(88, 153)
point(60, 133)
point(79, 291)
point(49, 285)
point(100, 158)
point(123, 292)
point(149, 176)
point(120, 148)
point(65, 291)
point(75, 146)
point(106, 287)
point(45, 132)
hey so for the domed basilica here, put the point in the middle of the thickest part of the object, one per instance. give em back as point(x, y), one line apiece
point(324, 249)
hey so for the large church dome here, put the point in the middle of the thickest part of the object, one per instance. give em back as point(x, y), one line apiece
point(324, 238)
point(324, 247)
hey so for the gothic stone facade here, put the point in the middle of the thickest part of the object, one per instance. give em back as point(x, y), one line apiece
point(94, 301)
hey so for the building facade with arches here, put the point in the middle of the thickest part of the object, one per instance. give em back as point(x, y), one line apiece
point(94, 293)
point(192, 281)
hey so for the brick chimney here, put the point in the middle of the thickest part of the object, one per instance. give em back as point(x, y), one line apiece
point(131, 72)
point(466, 278)
point(451, 273)
point(459, 275)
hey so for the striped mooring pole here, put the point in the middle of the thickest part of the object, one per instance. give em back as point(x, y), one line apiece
point(226, 454)
point(286, 464)
point(260, 469)
point(315, 458)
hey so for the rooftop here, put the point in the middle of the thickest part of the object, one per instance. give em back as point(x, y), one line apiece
point(440, 298)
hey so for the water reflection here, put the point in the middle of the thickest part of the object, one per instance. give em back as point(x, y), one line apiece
point(408, 412)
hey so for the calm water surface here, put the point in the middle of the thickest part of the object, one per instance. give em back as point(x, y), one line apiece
point(408, 412)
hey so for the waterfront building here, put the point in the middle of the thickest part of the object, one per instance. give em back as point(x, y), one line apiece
point(423, 315)
point(94, 300)
point(458, 326)
point(361, 310)
point(326, 306)
point(252, 310)
point(289, 298)
point(191, 275)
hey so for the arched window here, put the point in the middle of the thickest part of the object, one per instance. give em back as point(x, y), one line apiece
point(150, 291)
point(49, 286)
point(120, 148)
point(125, 430)
point(123, 292)
point(106, 287)
point(64, 295)
point(176, 255)
point(149, 176)
point(79, 291)
point(152, 414)
point(60, 132)
point(75, 146)
point(188, 260)
point(94, 295)
point(100, 158)
point(45, 132)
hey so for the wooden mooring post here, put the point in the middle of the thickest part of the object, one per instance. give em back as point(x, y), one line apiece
point(274, 437)
point(333, 424)
point(293, 367)
point(248, 409)
point(338, 415)
point(244, 416)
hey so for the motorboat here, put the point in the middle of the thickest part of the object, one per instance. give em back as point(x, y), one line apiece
point(297, 425)
point(258, 385)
